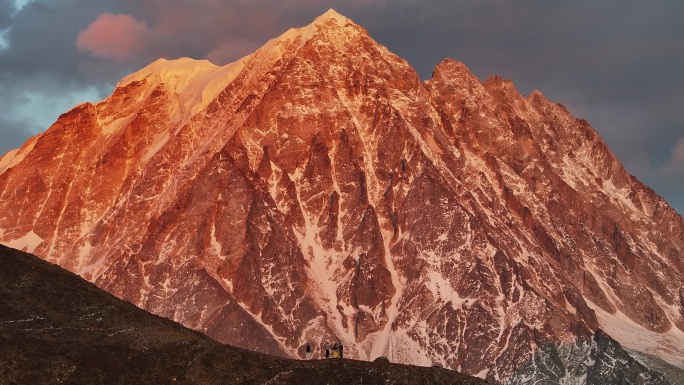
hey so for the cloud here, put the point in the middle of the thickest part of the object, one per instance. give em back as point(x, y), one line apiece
point(201, 29)
point(231, 50)
point(678, 152)
point(118, 37)
point(6, 10)
point(40, 66)
point(219, 30)
point(14, 133)
point(668, 179)
point(674, 168)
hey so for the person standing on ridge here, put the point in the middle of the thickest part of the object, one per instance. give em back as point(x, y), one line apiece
point(308, 351)
point(341, 349)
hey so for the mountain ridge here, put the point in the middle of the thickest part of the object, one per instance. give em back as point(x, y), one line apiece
point(60, 328)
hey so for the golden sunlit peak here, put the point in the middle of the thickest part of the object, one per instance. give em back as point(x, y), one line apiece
point(331, 14)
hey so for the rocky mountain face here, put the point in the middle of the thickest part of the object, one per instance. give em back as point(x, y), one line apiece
point(56, 328)
point(318, 191)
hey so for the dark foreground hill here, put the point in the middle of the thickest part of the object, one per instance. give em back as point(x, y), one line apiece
point(56, 328)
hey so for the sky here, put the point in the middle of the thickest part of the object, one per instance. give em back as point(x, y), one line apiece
point(617, 63)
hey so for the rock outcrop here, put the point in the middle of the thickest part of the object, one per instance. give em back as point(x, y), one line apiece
point(56, 327)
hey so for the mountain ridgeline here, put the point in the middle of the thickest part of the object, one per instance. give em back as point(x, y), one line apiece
point(56, 328)
point(316, 191)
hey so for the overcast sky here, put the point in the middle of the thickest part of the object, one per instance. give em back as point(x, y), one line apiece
point(617, 63)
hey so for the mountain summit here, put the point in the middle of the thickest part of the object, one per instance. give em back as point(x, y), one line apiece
point(317, 191)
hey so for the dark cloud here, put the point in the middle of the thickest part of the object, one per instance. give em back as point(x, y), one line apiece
point(616, 63)
point(40, 41)
point(13, 133)
point(669, 179)
point(41, 69)
point(6, 10)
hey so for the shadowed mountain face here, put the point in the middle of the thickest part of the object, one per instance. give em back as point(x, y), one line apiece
point(56, 327)
point(316, 191)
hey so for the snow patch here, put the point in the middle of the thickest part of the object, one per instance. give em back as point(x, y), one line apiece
point(195, 82)
point(482, 373)
point(111, 126)
point(215, 244)
point(403, 349)
point(442, 290)
point(669, 345)
point(14, 157)
point(93, 267)
point(331, 14)
point(277, 47)
point(84, 251)
point(158, 144)
point(27, 243)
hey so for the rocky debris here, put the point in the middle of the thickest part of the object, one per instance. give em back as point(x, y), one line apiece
point(57, 328)
point(672, 373)
point(599, 360)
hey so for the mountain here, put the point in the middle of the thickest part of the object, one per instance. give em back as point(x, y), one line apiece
point(56, 327)
point(316, 190)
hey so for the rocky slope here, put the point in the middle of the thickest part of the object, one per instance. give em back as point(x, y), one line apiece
point(317, 190)
point(56, 328)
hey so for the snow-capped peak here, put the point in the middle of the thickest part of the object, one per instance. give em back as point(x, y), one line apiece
point(195, 82)
point(179, 71)
point(301, 35)
point(331, 14)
